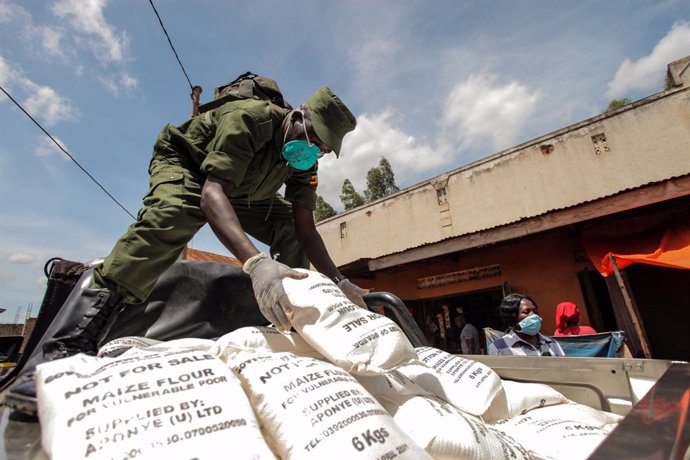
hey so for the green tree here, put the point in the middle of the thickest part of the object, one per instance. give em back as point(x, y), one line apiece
point(380, 181)
point(618, 103)
point(349, 196)
point(323, 210)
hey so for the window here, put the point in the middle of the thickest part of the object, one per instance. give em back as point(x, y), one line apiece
point(601, 146)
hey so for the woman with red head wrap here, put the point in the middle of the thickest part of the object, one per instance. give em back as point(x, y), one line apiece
point(567, 317)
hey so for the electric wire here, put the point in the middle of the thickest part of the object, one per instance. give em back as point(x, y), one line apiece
point(171, 45)
point(66, 152)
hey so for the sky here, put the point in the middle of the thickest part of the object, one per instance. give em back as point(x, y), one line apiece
point(435, 85)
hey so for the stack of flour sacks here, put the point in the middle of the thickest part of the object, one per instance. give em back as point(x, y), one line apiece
point(347, 384)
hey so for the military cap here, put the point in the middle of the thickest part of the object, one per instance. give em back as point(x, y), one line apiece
point(330, 118)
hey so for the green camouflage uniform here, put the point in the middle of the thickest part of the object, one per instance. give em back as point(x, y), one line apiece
point(241, 142)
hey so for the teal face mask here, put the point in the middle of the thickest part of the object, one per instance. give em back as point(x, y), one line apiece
point(530, 325)
point(301, 154)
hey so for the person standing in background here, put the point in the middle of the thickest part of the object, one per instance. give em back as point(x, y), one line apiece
point(468, 334)
point(567, 319)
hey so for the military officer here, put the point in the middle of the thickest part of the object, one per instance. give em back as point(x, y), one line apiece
point(223, 167)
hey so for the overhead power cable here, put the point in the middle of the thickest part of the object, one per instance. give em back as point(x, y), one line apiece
point(171, 45)
point(66, 152)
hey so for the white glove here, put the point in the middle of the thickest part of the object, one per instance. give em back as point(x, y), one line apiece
point(267, 275)
point(353, 292)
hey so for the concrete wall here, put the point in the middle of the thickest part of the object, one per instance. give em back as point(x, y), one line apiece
point(645, 142)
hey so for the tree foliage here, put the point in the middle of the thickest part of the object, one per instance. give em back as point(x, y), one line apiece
point(323, 209)
point(617, 104)
point(349, 196)
point(380, 181)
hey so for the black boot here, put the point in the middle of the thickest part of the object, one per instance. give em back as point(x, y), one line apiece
point(79, 326)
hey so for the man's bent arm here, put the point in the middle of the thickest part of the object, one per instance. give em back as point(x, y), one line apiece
point(223, 219)
point(469, 343)
point(311, 242)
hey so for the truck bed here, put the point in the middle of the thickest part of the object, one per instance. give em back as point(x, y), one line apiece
point(652, 395)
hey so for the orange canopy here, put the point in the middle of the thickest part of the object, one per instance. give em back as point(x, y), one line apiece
point(666, 244)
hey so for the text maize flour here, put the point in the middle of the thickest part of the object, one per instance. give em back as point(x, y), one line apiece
point(359, 341)
point(468, 385)
point(520, 397)
point(441, 429)
point(311, 409)
point(145, 404)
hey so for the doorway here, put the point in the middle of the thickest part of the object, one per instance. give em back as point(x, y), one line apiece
point(663, 300)
point(662, 296)
point(436, 316)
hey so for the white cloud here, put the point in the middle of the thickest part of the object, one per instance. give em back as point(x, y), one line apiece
point(109, 84)
point(47, 38)
point(20, 258)
point(45, 103)
point(51, 40)
point(12, 13)
point(481, 110)
point(128, 81)
point(47, 147)
point(478, 110)
point(6, 275)
point(40, 282)
point(374, 56)
point(648, 72)
point(84, 27)
point(86, 19)
point(114, 85)
point(7, 72)
point(375, 136)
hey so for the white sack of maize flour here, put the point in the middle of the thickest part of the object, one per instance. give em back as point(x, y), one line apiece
point(359, 341)
point(144, 404)
point(520, 397)
point(117, 347)
point(122, 344)
point(393, 387)
point(263, 338)
point(578, 413)
point(448, 433)
point(440, 428)
point(468, 385)
point(312, 409)
point(553, 439)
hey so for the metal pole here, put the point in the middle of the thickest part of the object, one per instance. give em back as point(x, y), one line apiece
point(632, 311)
point(196, 93)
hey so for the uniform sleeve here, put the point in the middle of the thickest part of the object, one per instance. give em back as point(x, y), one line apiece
point(300, 188)
point(239, 135)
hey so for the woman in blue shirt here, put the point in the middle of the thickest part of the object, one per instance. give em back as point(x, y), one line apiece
point(520, 313)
